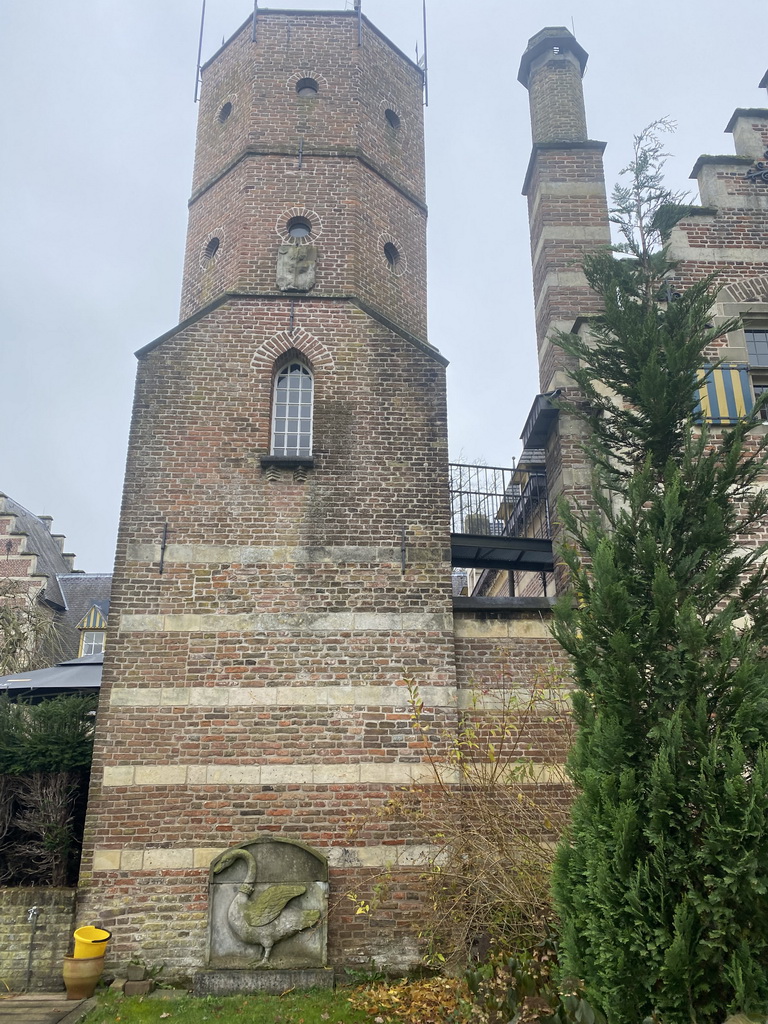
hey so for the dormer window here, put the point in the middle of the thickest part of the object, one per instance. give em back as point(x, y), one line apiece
point(93, 631)
point(757, 353)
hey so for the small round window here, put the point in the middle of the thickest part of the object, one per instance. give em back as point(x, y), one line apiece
point(299, 227)
point(307, 87)
point(393, 118)
point(392, 254)
point(225, 111)
point(210, 251)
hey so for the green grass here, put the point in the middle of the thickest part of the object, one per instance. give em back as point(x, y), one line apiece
point(313, 1007)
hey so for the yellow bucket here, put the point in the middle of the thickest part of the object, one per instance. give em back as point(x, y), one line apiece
point(91, 942)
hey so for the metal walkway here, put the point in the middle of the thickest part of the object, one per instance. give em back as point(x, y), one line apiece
point(518, 554)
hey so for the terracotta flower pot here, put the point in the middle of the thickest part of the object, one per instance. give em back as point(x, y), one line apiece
point(81, 974)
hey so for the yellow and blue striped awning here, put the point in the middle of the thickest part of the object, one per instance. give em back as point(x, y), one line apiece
point(726, 394)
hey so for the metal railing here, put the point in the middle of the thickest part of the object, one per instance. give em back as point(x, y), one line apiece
point(498, 501)
point(530, 517)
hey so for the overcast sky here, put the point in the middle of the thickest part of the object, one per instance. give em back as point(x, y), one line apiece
point(98, 129)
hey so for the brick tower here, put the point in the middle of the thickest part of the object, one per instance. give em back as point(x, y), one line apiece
point(568, 215)
point(283, 557)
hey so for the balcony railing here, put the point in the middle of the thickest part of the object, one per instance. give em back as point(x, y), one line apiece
point(497, 501)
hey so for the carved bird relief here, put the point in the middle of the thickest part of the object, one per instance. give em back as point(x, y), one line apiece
point(267, 919)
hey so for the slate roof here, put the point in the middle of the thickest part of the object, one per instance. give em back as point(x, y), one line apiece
point(80, 592)
point(70, 594)
point(41, 542)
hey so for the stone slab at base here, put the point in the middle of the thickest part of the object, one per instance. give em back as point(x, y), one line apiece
point(43, 1008)
point(234, 983)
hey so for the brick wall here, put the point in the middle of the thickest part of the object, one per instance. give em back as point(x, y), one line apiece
point(244, 687)
point(52, 937)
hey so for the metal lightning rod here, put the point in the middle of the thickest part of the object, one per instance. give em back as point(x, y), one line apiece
point(426, 71)
point(199, 52)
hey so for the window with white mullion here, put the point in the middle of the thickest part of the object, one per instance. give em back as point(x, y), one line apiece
point(92, 642)
point(292, 411)
point(757, 346)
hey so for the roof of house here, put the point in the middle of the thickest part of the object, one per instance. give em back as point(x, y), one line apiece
point(71, 595)
point(80, 592)
point(51, 560)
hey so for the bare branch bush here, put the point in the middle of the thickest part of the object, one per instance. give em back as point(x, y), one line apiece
point(7, 801)
point(490, 811)
point(47, 824)
point(29, 634)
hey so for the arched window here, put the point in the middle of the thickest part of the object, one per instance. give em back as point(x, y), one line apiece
point(292, 411)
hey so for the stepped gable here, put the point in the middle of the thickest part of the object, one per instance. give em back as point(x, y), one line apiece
point(28, 550)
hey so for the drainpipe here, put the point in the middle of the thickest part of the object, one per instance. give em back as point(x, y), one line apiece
point(32, 916)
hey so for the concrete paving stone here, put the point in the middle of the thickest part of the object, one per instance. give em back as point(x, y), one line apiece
point(43, 1008)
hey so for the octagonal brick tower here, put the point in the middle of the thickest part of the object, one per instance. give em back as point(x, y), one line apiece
point(305, 123)
point(283, 554)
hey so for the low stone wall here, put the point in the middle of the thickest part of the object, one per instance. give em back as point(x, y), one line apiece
point(52, 937)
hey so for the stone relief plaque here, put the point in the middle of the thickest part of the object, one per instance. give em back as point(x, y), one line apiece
point(296, 267)
point(268, 906)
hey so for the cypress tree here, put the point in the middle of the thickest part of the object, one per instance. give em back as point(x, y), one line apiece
point(662, 880)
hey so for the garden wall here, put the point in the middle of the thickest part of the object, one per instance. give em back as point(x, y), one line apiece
point(52, 937)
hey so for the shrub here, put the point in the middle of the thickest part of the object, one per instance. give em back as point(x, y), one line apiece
point(490, 815)
point(45, 756)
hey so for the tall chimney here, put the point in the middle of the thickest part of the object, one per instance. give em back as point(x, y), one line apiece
point(568, 217)
point(551, 70)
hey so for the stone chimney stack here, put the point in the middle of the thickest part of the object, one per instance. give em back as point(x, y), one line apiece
point(565, 187)
point(551, 70)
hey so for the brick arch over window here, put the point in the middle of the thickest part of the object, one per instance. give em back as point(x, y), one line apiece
point(272, 355)
point(750, 289)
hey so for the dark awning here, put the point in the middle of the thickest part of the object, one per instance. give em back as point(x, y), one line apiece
point(78, 674)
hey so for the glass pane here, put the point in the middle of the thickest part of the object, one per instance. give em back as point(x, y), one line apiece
point(292, 414)
point(757, 347)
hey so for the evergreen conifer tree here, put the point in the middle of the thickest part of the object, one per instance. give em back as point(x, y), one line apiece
point(662, 881)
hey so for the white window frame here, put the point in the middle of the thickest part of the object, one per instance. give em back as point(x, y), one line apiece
point(293, 396)
point(85, 641)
